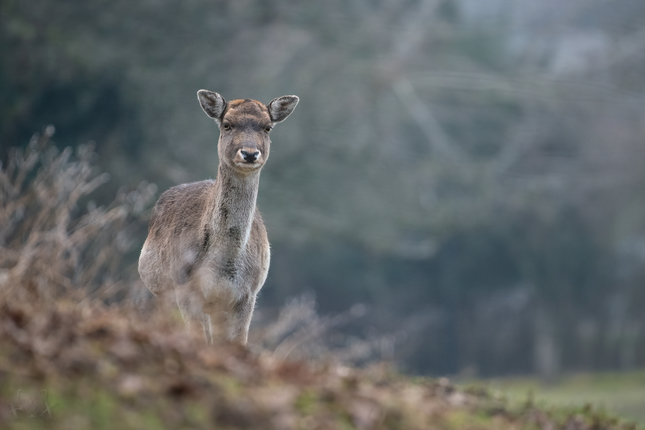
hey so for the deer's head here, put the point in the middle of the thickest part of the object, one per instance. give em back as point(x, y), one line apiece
point(245, 125)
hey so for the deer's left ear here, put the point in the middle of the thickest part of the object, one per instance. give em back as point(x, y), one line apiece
point(281, 107)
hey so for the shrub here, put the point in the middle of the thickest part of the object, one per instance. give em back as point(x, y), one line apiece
point(54, 240)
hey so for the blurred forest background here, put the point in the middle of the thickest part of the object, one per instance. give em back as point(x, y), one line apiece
point(473, 171)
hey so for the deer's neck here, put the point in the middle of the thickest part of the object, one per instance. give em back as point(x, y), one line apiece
point(234, 208)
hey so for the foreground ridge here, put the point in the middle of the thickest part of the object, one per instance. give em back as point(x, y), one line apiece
point(68, 366)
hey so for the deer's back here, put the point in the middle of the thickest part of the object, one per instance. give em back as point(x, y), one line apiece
point(176, 230)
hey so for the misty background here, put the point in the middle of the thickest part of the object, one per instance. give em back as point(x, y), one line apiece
point(472, 171)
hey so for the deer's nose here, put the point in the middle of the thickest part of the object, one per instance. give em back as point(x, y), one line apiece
point(250, 157)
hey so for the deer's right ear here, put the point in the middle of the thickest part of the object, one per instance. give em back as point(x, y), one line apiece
point(212, 103)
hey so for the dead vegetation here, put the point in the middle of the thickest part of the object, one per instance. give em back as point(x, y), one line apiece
point(77, 352)
point(51, 246)
point(94, 361)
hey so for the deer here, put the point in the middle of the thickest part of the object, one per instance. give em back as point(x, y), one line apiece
point(207, 248)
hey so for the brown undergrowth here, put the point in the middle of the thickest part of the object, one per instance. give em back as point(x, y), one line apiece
point(79, 350)
point(55, 241)
point(94, 361)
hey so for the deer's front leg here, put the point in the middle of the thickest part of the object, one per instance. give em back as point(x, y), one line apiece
point(191, 307)
point(239, 319)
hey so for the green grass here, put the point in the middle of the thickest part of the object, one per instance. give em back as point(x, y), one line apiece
point(620, 393)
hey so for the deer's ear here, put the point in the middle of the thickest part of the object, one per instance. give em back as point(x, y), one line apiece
point(281, 107)
point(212, 103)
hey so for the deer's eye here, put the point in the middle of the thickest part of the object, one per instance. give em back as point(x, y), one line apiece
point(268, 128)
point(226, 126)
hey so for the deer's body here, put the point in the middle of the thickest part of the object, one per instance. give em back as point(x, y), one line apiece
point(207, 247)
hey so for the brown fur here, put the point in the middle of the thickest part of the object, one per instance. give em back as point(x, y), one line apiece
point(207, 247)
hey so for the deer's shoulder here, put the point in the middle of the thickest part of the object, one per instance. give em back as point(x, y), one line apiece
point(181, 206)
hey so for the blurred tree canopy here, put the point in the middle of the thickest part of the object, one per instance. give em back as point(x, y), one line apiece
point(472, 170)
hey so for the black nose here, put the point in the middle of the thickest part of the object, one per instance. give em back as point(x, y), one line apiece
point(250, 157)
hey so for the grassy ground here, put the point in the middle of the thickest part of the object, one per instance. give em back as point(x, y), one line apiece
point(70, 366)
point(621, 393)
